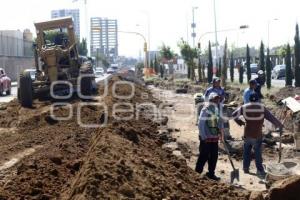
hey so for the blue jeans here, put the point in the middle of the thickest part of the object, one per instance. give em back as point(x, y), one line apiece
point(256, 144)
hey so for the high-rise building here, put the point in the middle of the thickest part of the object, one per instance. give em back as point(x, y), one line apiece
point(74, 13)
point(104, 37)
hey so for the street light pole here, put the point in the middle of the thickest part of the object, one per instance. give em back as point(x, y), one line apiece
point(148, 30)
point(225, 30)
point(145, 44)
point(86, 26)
point(216, 35)
point(193, 26)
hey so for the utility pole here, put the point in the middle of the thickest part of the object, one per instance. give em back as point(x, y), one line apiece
point(216, 34)
point(194, 26)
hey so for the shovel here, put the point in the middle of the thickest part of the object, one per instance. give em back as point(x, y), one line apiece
point(234, 174)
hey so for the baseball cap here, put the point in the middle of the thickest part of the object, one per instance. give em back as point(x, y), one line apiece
point(260, 72)
point(213, 95)
point(252, 81)
point(216, 79)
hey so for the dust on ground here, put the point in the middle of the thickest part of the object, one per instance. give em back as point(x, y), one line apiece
point(182, 116)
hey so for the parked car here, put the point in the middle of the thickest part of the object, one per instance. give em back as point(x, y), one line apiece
point(5, 83)
point(112, 70)
point(278, 72)
point(254, 68)
point(99, 72)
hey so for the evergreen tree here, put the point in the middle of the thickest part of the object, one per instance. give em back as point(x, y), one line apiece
point(156, 65)
point(210, 65)
point(262, 57)
point(199, 64)
point(288, 64)
point(297, 57)
point(224, 68)
point(219, 68)
point(231, 68)
point(162, 70)
point(268, 69)
point(248, 63)
point(82, 48)
point(241, 74)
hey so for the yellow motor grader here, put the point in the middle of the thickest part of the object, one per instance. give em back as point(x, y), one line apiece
point(59, 68)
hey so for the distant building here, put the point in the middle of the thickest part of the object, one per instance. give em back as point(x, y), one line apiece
point(104, 37)
point(180, 67)
point(12, 43)
point(27, 35)
point(74, 13)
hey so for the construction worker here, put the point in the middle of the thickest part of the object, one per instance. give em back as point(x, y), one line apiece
point(254, 114)
point(260, 81)
point(210, 130)
point(216, 88)
point(249, 91)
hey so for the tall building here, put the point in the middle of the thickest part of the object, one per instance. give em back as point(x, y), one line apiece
point(74, 13)
point(104, 37)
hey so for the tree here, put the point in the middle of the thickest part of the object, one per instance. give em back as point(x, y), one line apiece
point(139, 69)
point(231, 68)
point(268, 69)
point(103, 59)
point(162, 70)
point(152, 64)
point(82, 48)
point(288, 64)
point(188, 54)
point(156, 65)
point(219, 68)
point(297, 57)
point(166, 52)
point(224, 68)
point(248, 63)
point(241, 73)
point(210, 65)
point(167, 55)
point(199, 64)
point(262, 56)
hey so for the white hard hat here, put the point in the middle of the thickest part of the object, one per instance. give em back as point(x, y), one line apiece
point(260, 72)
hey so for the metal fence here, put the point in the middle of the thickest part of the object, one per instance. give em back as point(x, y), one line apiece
point(11, 46)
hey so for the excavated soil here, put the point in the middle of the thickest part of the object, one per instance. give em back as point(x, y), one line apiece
point(122, 160)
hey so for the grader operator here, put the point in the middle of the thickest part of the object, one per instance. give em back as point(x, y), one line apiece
point(57, 62)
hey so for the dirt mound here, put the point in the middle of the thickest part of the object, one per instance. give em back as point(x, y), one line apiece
point(123, 159)
point(285, 189)
point(286, 92)
point(118, 167)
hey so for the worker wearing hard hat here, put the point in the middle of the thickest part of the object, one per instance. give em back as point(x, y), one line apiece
point(210, 130)
point(216, 88)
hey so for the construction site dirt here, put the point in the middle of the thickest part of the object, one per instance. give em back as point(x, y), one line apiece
point(103, 155)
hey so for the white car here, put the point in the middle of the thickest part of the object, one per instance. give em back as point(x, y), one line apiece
point(98, 73)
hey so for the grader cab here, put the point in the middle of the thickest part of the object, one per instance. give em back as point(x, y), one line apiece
point(57, 62)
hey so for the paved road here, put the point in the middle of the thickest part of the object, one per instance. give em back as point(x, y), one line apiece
point(8, 98)
point(5, 98)
point(275, 82)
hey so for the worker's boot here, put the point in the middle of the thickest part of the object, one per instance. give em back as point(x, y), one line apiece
point(212, 176)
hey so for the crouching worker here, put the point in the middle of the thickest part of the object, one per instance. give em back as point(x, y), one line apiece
point(210, 130)
point(254, 114)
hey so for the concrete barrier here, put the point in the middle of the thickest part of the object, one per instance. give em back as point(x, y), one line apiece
point(14, 65)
